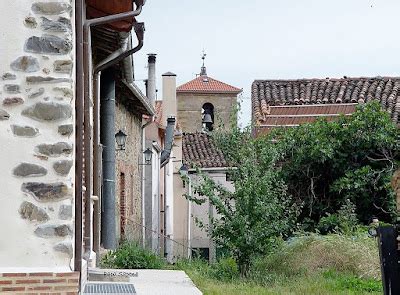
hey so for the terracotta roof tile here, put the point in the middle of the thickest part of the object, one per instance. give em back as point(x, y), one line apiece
point(267, 93)
point(199, 150)
point(205, 84)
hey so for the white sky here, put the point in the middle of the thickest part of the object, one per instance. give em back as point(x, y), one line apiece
point(265, 39)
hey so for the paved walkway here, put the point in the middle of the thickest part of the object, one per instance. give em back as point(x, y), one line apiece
point(150, 282)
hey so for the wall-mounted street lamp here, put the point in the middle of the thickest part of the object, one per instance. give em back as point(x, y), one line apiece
point(120, 138)
point(148, 154)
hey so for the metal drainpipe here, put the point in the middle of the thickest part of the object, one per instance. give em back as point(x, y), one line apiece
point(109, 61)
point(108, 226)
point(79, 6)
point(87, 86)
point(169, 140)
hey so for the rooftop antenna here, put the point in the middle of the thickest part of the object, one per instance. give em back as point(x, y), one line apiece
point(203, 71)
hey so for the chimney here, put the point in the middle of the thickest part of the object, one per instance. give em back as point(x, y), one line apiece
point(151, 81)
point(169, 95)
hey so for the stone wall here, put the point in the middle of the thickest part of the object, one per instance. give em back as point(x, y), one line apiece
point(36, 134)
point(128, 163)
point(190, 105)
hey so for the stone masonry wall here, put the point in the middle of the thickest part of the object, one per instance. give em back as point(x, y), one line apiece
point(36, 134)
point(128, 163)
point(189, 109)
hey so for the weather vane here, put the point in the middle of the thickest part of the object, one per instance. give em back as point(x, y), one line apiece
point(203, 57)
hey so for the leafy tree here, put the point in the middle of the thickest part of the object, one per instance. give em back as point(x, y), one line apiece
point(258, 211)
point(326, 163)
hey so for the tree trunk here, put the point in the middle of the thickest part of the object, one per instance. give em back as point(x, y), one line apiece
point(244, 266)
point(396, 187)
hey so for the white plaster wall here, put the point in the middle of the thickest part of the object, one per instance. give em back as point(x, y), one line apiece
point(19, 246)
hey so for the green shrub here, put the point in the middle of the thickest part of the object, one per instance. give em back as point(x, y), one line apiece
point(131, 256)
point(225, 269)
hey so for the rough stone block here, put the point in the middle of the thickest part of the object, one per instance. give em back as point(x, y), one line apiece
point(53, 230)
point(9, 76)
point(64, 247)
point(29, 170)
point(61, 25)
point(46, 80)
point(48, 44)
point(32, 212)
point(54, 150)
point(46, 192)
point(11, 101)
point(36, 93)
point(65, 129)
point(4, 115)
point(65, 212)
point(67, 92)
point(62, 167)
point(28, 64)
point(12, 88)
point(48, 111)
point(30, 22)
point(63, 66)
point(24, 131)
point(51, 8)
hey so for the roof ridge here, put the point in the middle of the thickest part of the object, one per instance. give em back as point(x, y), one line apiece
point(326, 79)
point(207, 84)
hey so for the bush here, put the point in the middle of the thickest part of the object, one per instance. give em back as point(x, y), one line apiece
point(344, 221)
point(131, 256)
point(225, 269)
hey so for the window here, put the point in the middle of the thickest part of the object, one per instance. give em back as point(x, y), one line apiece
point(208, 116)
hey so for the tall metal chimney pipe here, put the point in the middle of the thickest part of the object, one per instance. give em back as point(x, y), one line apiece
point(151, 82)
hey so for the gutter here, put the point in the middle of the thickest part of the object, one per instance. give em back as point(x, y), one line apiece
point(169, 140)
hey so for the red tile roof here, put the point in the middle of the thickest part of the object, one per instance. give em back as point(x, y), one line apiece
point(199, 150)
point(205, 84)
point(267, 93)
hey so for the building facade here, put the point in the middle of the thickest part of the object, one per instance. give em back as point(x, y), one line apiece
point(58, 153)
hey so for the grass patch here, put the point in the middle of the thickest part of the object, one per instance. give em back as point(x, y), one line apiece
point(313, 264)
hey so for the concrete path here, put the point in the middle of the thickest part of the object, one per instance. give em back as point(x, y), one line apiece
point(164, 282)
point(149, 282)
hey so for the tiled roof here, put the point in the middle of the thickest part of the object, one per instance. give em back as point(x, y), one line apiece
point(199, 150)
point(266, 93)
point(205, 84)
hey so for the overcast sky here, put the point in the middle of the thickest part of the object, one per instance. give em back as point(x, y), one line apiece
point(268, 39)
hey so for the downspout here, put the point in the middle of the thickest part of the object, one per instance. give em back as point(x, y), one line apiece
point(109, 61)
point(108, 227)
point(79, 14)
point(143, 134)
point(87, 86)
point(169, 140)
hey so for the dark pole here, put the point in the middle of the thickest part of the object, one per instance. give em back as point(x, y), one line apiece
point(79, 135)
point(107, 109)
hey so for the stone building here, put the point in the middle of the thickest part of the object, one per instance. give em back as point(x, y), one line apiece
point(203, 104)
point(205, 95)
point(58, 153)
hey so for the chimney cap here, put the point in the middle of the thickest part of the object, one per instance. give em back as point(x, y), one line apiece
point(169, 74)
point(151, 57)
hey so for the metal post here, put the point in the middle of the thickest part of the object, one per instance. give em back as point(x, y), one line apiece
point(212, 255)
point(108, 225)
point(387, 237)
